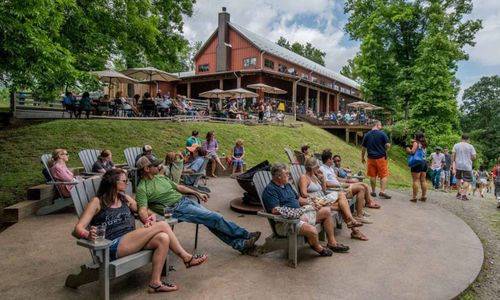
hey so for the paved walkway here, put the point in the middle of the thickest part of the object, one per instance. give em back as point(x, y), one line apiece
point(416, 251)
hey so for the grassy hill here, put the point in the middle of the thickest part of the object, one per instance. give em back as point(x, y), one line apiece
point(22, 146)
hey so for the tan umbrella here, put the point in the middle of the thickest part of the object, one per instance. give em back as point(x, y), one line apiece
point(266, 88)
point(360, 104)
point(113, 77)
point(242, 93)
point(373, 107)
point(150, 74)
point(215, 93)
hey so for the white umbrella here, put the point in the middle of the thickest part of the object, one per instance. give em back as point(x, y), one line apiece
point(215, 93)
point(360, 104)
point(242, 93)
point(150, 74)
point(266, 88)
point(113, 77)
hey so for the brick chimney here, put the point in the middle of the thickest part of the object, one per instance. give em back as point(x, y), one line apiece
point(223, 48)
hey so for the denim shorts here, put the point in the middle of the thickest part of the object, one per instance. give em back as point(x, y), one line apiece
point(113, 248)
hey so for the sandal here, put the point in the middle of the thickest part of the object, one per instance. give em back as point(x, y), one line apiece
point(354, 223)
point(164, 287)
point(359, 236)
point(423, 199)
point(413, 200)
point(338, 248)
point(374, 205)
point(325, 252)
point(195, 260)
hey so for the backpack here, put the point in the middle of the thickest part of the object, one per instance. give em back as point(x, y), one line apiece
point(416, 158)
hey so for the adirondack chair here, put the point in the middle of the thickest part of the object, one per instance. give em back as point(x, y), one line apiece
point(198, 176)
point(88, 157)
point(292, 241)
point(61, 202)
point(130, 155)
point(100, 267)
point(289, 154)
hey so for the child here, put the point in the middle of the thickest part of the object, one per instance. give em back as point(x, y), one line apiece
point(174, 164)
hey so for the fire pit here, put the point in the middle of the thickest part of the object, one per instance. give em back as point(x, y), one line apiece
point(250, 202)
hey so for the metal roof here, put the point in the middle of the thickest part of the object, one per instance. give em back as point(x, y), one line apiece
point(272, 48)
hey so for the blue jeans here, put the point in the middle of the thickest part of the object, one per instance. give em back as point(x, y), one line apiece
point(230, 233)
point(436, 177)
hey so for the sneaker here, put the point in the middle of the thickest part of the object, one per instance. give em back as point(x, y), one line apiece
point(365, 214)
point(373, 194)
point(255, 235)
point(459, 196)
point(384, 196)
point(363, 220)
point(464, 198)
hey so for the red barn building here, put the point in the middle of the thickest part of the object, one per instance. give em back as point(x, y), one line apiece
point(234, 57)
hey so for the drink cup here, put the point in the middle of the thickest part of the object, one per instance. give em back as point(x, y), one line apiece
point(168, 212)
point(100, 232)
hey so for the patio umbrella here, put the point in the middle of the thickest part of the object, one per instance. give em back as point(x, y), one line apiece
point(215, 93)
point(112, 77)
point(360, 104)
point(373, 107)
point(242, 93)
point(149, 74)
point(266, 88)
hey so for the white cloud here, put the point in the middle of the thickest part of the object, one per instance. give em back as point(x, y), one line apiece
point(485, 52)
point(273, 19)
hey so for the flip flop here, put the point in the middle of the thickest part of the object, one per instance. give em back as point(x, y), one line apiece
point(359, 236)
point(164, 287)
point(196, 260)
point(373, 205)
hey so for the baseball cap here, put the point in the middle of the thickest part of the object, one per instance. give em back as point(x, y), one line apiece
point(147, 161)
point(146, 148)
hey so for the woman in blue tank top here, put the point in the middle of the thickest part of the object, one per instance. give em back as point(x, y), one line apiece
point(114, 208)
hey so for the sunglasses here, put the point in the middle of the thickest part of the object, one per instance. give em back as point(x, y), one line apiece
point(123, 180)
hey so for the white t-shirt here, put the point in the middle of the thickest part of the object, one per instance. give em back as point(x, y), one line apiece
point(437, 160)
point(463, 156)
point(329, 173)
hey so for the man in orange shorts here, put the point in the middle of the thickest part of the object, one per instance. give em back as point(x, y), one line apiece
point(376, 143)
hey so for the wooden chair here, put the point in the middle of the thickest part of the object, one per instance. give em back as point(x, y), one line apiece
point(296, 171)
point(100, 267)
point(289, 154)
point(88, 157)
point(291, 241)
point(130, 155)
point(300, 157)
point(61, 202)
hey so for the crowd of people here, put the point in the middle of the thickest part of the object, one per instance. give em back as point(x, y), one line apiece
point(349, 117)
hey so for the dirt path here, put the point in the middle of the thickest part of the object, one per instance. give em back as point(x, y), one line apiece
point(484, 218)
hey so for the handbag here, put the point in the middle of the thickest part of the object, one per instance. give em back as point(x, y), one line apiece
point(416, 158)
point(228, 160)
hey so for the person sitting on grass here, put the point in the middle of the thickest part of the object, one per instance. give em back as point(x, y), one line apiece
point(156, 192)
point(104, 162)
point(279, 193)
point(237, 154)
point(114, 209)
point(311, 185)
point(359, 190)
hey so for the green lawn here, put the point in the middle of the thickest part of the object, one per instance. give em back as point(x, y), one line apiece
point(22, 146)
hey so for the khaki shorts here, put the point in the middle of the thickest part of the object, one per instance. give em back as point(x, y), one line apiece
point(310, 215)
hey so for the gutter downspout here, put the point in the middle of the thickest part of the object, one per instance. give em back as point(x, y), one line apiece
point(262, 59)
point(294, 100)
point(238, 80)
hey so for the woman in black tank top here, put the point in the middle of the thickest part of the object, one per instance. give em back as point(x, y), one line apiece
point(114, 208)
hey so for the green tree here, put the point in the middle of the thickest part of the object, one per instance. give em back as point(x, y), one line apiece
point(307, 50)
point(46, 45)
point(349, 70)
point(481, 115)
point(408, 57)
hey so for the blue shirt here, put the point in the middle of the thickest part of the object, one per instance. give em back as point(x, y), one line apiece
point(195, 165)
point(275, 195)
point(374, 141)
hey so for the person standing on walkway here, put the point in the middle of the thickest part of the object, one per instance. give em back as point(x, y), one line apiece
point(446, 170)
point(462, 156)
point(437, 161)
point(419, 170)
point(496, 180)
point(376, 143)
point(482, 180)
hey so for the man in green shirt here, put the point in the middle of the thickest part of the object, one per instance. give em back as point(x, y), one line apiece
point(155, 192)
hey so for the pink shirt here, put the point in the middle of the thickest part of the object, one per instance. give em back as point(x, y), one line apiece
point(61, 173)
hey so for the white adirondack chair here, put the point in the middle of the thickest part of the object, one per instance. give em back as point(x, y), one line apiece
point(130, 155)
point(88, 157)
point(100, 267)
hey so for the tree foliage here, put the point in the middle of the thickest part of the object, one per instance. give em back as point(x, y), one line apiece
point(46, 45)
point(408, 57)
point(307, 50)
point(481, 115)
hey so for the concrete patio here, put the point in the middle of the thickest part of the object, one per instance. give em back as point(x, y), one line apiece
point(415, 251)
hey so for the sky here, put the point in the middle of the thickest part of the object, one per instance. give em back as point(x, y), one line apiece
point(321, 23)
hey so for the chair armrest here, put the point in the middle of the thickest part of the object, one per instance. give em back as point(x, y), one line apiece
point(91, 173)
point(171, 221)
point(357, 177)
point(92, 245)
point(277, 218)
point(62, 182)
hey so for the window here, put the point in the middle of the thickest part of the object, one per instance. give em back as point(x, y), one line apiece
point(248, 62)
point(305, 76)
point(269, 64)
point(314, 79)
point(203, 68)
point(282, 68)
